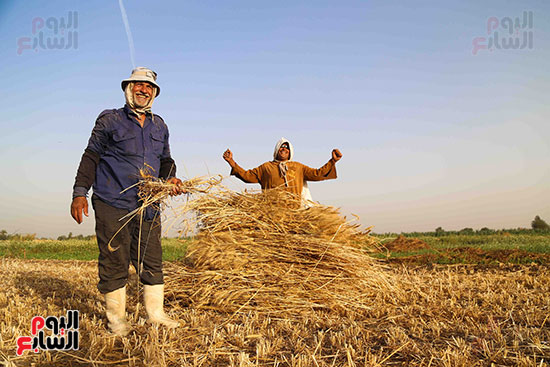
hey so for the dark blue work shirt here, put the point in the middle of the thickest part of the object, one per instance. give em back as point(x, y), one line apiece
point(124, 147)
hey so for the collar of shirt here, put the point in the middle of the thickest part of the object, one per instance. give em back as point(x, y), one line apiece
point(133, 115)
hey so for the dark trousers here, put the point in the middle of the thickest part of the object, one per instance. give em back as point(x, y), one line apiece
point(113, 265)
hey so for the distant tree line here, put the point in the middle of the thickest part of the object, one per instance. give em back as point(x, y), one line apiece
point(483, 231)
point(77, 237)
point(538, 225)
point(4, 235)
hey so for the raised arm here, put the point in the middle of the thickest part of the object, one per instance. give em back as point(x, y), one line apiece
point(249, 176)
point(327, 172)
point(228, 156)
point(336, 155)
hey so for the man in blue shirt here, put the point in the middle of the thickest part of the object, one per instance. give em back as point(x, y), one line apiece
point(124, 141)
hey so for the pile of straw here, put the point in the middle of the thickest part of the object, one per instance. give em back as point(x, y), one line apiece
point(263, 252)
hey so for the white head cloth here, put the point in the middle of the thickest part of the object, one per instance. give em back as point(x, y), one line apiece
point(130, 100)
point(307, 199)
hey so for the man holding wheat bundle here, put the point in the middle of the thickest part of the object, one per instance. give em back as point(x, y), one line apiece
point(282, 172)
point(123, 141)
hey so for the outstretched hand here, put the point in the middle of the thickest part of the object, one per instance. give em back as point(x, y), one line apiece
point(336, 155)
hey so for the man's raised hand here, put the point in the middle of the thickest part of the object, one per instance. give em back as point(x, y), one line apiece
point(228, 156)
point(336, 155)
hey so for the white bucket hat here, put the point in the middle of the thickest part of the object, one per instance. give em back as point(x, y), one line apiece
point(141, 74)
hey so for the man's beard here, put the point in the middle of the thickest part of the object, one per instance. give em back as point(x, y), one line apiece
point(131, 100)
point(141, 100)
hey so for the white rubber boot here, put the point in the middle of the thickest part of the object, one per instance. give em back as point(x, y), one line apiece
point(153, 298)
point(115, 304)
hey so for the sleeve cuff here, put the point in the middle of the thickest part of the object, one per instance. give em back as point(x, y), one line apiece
point(80, 191)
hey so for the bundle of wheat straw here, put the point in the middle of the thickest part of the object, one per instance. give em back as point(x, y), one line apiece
point(263, 251)
point(154, 191)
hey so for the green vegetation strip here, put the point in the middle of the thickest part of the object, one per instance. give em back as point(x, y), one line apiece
point(74, 249)
point(443, 249)
point(523, 248)
point(539, 243)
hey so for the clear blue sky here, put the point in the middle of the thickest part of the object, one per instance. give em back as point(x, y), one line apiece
point(432, 135)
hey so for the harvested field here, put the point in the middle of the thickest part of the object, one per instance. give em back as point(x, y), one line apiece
point(473, 255)
point(267, 283)
point(444, 316)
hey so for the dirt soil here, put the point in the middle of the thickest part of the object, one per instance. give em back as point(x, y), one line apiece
point(474, 255)
point(402, 244)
